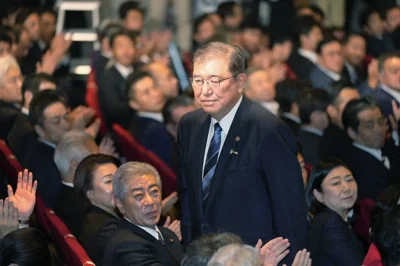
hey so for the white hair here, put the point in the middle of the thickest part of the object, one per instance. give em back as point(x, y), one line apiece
point(7, 62)
point(131, 170)
point(73, 146)
point(236, 255)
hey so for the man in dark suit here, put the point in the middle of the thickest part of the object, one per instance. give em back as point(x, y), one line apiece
point(354, 50)
point(335, 141)
point(233, 147)
point(112, 97)
point(373, 160)
point(389, 77)
point(136, 239)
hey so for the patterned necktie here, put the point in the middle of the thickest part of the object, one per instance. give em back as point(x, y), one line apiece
point(160, 238)
point(211, 160)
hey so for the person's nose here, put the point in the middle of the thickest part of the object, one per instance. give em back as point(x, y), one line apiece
point(148, 200)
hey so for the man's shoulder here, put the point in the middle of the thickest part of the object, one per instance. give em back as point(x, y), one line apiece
point(192, 117)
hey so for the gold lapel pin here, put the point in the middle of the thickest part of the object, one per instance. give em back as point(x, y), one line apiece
point(171, 240)
point(237, 139)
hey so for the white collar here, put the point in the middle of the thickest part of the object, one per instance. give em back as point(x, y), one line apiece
point(395, 94)
point(313, 130)
point(271, 106)
point(25, 110)
point(155, 116)
point(331, 74)
point(48, 143)
point(349, 66)
point(377, 153)
point(310, 55)
point(68, 184)
point(123, 70)
point(227, 120)
point(151, 231)
point(292, 117)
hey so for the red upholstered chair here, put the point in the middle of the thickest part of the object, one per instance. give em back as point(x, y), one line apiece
point(40, 214)
point(134, 151)
point(73, 253)
point(363, 210)
point(9, 164)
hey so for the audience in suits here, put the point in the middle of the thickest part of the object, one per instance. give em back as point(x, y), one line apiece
point(164, 78)
point(331, 194)
point(72, 148)
point(354, 51)
point(131, 15)
point(203, 30)
point(340, 94)
point(93, 184)
point(136, 239)
point(391, 18)
point(112, 97)
point(287, 95)
point(312, 109)
point(372, 158)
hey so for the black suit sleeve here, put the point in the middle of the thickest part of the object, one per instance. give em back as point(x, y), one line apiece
point(285, 187)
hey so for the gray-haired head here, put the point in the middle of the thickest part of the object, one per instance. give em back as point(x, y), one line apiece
point(236, 255)
point(7, 62)
point(74, 146)
point(128, 171)
point(217, 49)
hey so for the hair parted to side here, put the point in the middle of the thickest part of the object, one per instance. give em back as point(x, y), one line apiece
point(211, 50)
point(236, 255)
point(7, 62)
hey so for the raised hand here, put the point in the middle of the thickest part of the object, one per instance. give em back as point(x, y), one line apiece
point(107, 147)
point(174, 226)
point(25, 196)
point(274, 251)
point(8, 217)
point(394, 119)
point(302, 259)
point(169, 202)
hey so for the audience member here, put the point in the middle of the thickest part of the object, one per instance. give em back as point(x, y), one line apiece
point(354, 51)
point(391, 17)
point(5, 42)
point(21, 42)
point(235, 255)
point(132, 16)
point(251, 34)
point(48, 20)
point(231, 14)
point(164, 78)
point(204, 29)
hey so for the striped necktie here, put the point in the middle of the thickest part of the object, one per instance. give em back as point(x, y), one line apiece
point(211, 160)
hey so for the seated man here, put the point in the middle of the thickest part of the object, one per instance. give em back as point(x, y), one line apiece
point(147, 125)
point(164, 78)
point(312, 105)
point(136, 239)
point(372, 159)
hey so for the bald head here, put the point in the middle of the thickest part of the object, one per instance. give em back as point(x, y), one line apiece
point(165, 79)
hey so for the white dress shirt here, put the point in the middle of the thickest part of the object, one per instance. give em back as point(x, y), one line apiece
point(313, 130)
point(331, 74)
point(225, 124)
point(123, 70)
point(24, 110)
point(377, 153)
point(310, 55)
point(395, 94)
point(68, 184)
point(271, 106)
point(153, 232)
point(292, 117)
point(48, 143)
point(155, 116)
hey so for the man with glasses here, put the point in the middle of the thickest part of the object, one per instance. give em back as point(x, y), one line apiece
point(373, 159)
point(238, 167)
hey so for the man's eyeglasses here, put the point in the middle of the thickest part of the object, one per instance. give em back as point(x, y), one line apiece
point(212, 82)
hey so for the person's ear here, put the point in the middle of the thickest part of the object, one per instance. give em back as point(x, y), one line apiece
point(72, 166)
point(40, 131)
point(331, 111)
point(241, 80)
point(352, 134)
point(89, 195)
point(27, 98)
point(318, 195)
point(134, 105)
point(119, 205)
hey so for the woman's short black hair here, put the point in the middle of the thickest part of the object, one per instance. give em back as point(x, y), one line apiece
point(84, 174)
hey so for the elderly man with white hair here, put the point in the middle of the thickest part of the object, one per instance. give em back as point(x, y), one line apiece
point(136, 239)
point(10, 93)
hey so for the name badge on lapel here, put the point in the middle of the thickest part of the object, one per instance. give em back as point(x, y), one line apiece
point(233, 150)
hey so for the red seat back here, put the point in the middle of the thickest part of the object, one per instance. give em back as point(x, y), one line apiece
point(9, 164)
point(363, 209)
point(92, 100)
point(72, 251)
point(134, 151)
point(40, 213)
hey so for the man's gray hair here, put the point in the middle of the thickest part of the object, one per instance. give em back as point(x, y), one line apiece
point(131, 170)
point(7, 62)
point(73, 146)
point(236, 255)
point(216, 49)
point(384, 57)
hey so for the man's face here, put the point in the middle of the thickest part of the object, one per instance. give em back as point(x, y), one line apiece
point(372, 129)
point(124, 50)
point(33, 26)
point(142, 202)
point(282, 51)
point(47, 27)
point(234, 21)
point(331, 57)
point(177, 114)
point(148, 98)
point(345, 96)
point(55, 122)
point(21, 49)
point(251, 39)
point(375, 24)
point(392, 19)
point(205, 31)
point(133, 21)
point(217, 96)
point(313, 37)
point(10, 87)
point(44, 85)
point(165, 80)
point(260, 87)
point(354, 50)
point(390, 76)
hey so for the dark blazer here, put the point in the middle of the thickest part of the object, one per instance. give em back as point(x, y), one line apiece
point(94, 219)
point(332, 242)
point(99, 63)
point(320, 79)
point(21, 136)
point(39, 160)
point(334, 143)
point(28, 63)
point(384, 101)
point(69, 208)
point(371, 174)
point(112, 97)
point(8, 114)
point(310, 144)
point(264, 172)
point(131, 245)
point(293, 125)
point(356, 75)
point(300, 65)
point(376, 47)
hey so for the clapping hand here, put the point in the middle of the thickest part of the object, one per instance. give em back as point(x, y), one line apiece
point(174, 226)
point(107, 147)
point(273, 251)
point(395, 117)
point(302, 259)
point(8, 217)
point(25, 196)
point(169, 202)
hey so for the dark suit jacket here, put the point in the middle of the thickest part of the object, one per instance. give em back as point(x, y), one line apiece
point(300, 65)
point(28, 63)
point(22, 135)
point(39, 160)
point(293, 125)
point(99, 63)
point(69, 208)
point(320, 79)
point(334, 143)
point(377, 47)
point(89, 236)
point(264, 172)
point(112, 97)
point(371, 174)
point(332, 242)
point(310, 144)
point(384, 101)
point(8, 114)
point(131, 245)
